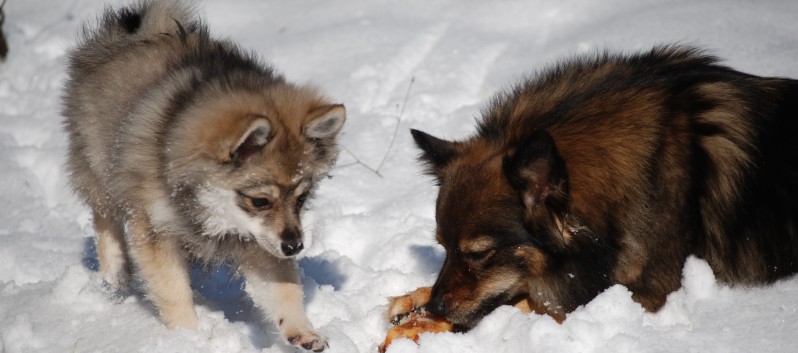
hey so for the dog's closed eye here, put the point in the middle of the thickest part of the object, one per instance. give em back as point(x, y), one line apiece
point(478, 255)
point(478, 249)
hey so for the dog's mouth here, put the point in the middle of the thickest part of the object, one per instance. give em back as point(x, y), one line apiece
point(466, 320)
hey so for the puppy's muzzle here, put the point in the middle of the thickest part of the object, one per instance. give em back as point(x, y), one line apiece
point(291, 242)
point(291, 248)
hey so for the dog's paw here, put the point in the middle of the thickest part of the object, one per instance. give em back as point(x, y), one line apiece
point(117, 280)
point(306, 339)
point(403, 305)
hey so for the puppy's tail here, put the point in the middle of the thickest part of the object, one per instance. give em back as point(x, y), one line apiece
point(142, 20)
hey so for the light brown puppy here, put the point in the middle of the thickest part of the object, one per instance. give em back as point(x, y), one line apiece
point(186, 147)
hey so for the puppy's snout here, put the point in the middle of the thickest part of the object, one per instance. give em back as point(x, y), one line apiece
point(291, 242)
point(291, 248)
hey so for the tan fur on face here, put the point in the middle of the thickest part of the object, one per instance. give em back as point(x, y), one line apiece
point(477, 245)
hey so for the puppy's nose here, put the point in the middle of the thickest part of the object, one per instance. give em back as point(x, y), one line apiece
point(291, 248)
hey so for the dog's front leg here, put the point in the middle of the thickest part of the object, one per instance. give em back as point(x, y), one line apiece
point(161, 264)
point(275, 288)
point(527, 305)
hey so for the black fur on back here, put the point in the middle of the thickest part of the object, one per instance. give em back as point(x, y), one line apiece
point(129, 20)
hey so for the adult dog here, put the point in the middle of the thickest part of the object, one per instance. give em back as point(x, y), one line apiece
point(613, 169)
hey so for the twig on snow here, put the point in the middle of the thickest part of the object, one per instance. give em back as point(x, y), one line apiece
point(400, 110)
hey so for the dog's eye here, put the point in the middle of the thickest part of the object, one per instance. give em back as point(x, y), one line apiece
point(478, 255)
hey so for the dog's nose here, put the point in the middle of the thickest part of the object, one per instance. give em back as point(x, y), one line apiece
point(437, 307)
point(291, 248)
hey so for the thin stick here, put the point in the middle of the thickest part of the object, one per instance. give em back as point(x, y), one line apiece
point(357, 161)
point(398, 121)
point(399, 113)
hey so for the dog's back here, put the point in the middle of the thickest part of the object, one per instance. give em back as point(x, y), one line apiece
point(670, 144)
point(127, 50)
point(127, 78)
point(113, 66)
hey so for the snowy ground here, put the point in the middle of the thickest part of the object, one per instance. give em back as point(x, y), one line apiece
point(406, 63)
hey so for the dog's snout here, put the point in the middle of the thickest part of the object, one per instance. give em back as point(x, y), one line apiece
point(437, 307)
point(291, 248)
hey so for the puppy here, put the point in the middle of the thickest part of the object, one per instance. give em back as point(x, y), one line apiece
point(187, 147)
point(613, 169)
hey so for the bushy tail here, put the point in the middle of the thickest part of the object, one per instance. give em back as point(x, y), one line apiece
point(141, 20)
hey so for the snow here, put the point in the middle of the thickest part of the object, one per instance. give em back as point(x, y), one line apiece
point(427, 64)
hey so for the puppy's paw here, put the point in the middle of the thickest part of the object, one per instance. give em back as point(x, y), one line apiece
point(403, 305)
point(305, 338)
point(118, 279)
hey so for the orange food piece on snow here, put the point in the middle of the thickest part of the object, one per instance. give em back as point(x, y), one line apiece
point(416, 323)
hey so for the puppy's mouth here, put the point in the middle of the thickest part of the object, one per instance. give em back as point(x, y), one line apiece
point(270, 248)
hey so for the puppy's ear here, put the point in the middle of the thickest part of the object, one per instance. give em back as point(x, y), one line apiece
point(537, 171)
point(325, 122)
point(252, 141)
point(436, 153)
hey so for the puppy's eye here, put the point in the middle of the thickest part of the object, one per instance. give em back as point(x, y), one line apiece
point(257, 203)
point(300, 201)
point(260, 202)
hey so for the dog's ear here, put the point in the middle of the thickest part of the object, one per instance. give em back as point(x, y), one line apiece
point(436, 153)
point(325, 122)
point(537, 171)
point(252, 141)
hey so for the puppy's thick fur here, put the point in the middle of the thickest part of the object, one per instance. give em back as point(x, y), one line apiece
point(186, 147)
point(614, 169)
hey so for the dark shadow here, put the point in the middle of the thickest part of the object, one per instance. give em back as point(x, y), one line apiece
point(430, 258)
point(221, 288)
point(89, 259)
point(322, 271)
point(224, 290)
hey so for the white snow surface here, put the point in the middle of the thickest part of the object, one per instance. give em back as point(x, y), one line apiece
point(427, 64)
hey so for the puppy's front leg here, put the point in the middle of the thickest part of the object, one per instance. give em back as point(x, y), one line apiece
point(275, 288)
point(164, 269)
point(111, 251)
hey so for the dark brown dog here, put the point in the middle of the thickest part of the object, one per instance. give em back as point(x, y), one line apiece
point(614, 169)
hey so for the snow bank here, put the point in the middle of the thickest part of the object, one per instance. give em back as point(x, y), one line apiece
point(396, 65)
